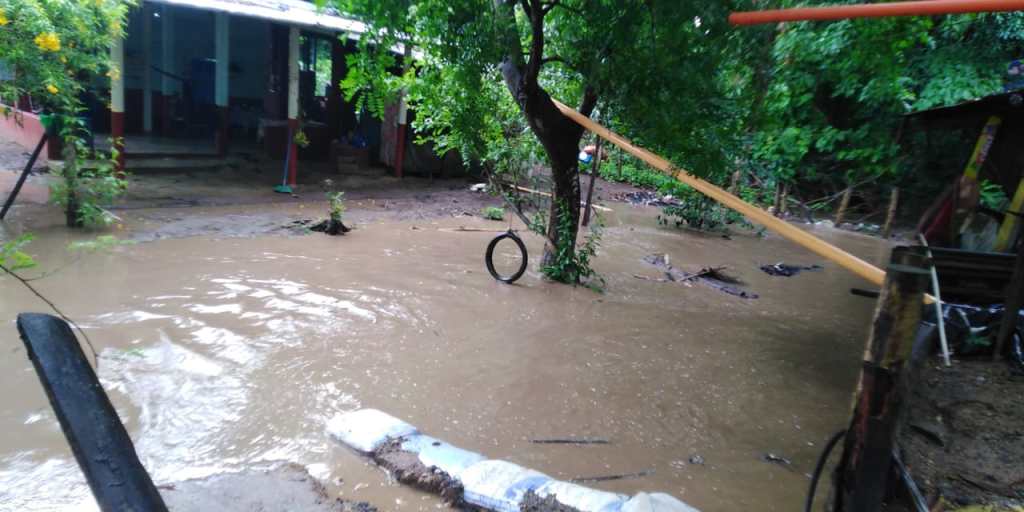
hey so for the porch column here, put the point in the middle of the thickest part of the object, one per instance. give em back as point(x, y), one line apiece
point(293, 101)
point(167, 63)
point(334, 93)
point(117, 101)
point(220, 80)
point(403, 112)
point(147, 73)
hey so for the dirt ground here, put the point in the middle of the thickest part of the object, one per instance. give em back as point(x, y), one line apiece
point(964, 440)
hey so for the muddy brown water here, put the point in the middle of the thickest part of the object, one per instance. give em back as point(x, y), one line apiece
point(224, 353)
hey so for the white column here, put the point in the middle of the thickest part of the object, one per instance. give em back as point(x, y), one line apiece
point(117, 76)
point(147, 72)
point(167, 49)
point(221, 54)
point(293, 73)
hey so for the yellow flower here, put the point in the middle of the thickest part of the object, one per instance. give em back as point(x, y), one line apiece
point(48, 41)
point(3, 18)
point(52, 88)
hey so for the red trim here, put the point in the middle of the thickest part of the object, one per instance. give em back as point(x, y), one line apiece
point(165, 114)
point(293, 151)
point(223, 135)
point(117, 134)
point(399, 150)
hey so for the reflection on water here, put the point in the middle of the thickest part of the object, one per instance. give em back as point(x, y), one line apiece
point(226, 354)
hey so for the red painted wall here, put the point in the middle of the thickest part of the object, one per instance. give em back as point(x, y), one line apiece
point(24, 129)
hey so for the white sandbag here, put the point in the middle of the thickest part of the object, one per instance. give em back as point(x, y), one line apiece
point(582, 498)
point(498, 485)
point(367, 429)
point(439, 454)
point(656, 502)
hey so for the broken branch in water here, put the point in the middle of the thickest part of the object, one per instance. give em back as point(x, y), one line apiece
point(572, 440)
point(605, 478)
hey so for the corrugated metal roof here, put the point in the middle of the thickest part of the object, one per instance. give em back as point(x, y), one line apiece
point(292, 12)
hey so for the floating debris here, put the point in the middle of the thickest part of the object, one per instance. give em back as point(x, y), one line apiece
point(785, 270)
point(714, 277)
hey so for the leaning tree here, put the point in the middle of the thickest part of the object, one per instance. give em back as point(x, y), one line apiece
point(654, 65)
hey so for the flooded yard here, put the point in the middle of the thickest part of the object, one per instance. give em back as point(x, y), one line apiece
point(225, 352)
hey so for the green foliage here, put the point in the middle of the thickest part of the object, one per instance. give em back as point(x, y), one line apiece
point(12, 255)
point(992, 195)
point(100, 243)
point(55, 49)
point(570, 264)
point(337, 205)
point(493, 213)
point(300, 139)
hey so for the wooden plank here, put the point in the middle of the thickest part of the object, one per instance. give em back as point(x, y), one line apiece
point(844, 259)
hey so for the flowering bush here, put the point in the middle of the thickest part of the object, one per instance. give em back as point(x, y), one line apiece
point(51, 50)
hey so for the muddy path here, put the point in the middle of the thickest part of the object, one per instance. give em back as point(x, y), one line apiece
point(225, 352)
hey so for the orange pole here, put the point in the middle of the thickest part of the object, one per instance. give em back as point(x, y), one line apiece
point(879, 10)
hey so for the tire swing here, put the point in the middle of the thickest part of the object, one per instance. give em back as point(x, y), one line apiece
point(489, 258)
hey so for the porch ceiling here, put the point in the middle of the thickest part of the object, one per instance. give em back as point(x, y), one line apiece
point(291, 12)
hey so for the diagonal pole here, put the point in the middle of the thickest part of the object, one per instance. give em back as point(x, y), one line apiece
point(24, 175)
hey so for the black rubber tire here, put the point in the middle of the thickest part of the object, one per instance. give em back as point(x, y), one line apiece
point(490, 255)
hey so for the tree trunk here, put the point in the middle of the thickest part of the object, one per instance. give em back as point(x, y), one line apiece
point(844, 203)
point(890, 216)
point(559, 135)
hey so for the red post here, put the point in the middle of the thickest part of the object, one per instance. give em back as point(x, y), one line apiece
point(223, 131)
point(117, 134)
point(399, 148)
point(293, 151)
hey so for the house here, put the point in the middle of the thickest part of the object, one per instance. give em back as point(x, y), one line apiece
point(203, 77)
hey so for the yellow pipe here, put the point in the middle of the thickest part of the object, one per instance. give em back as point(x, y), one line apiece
point(787, 230)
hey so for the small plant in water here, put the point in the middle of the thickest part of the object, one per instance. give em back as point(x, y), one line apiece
point(493, 213)
point(335, 209)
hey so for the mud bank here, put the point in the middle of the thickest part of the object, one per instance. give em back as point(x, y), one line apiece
point(288, 488)
point(963, 439)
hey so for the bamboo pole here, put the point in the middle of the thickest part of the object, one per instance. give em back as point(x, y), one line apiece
point(844, 203)
point(548, 194)
point(890, 216)
point(755, 214)
point(863, 471)
point(875, 10)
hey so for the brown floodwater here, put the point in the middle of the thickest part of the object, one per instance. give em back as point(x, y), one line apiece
point(224, 353)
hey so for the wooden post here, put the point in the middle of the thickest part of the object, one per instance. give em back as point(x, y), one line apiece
point(863, 471)
point(844, 203)
point(778, 199)
point(782, 202)
point(894, 200)
point(598, 154)
point(1014, 302)
point(97, 437)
